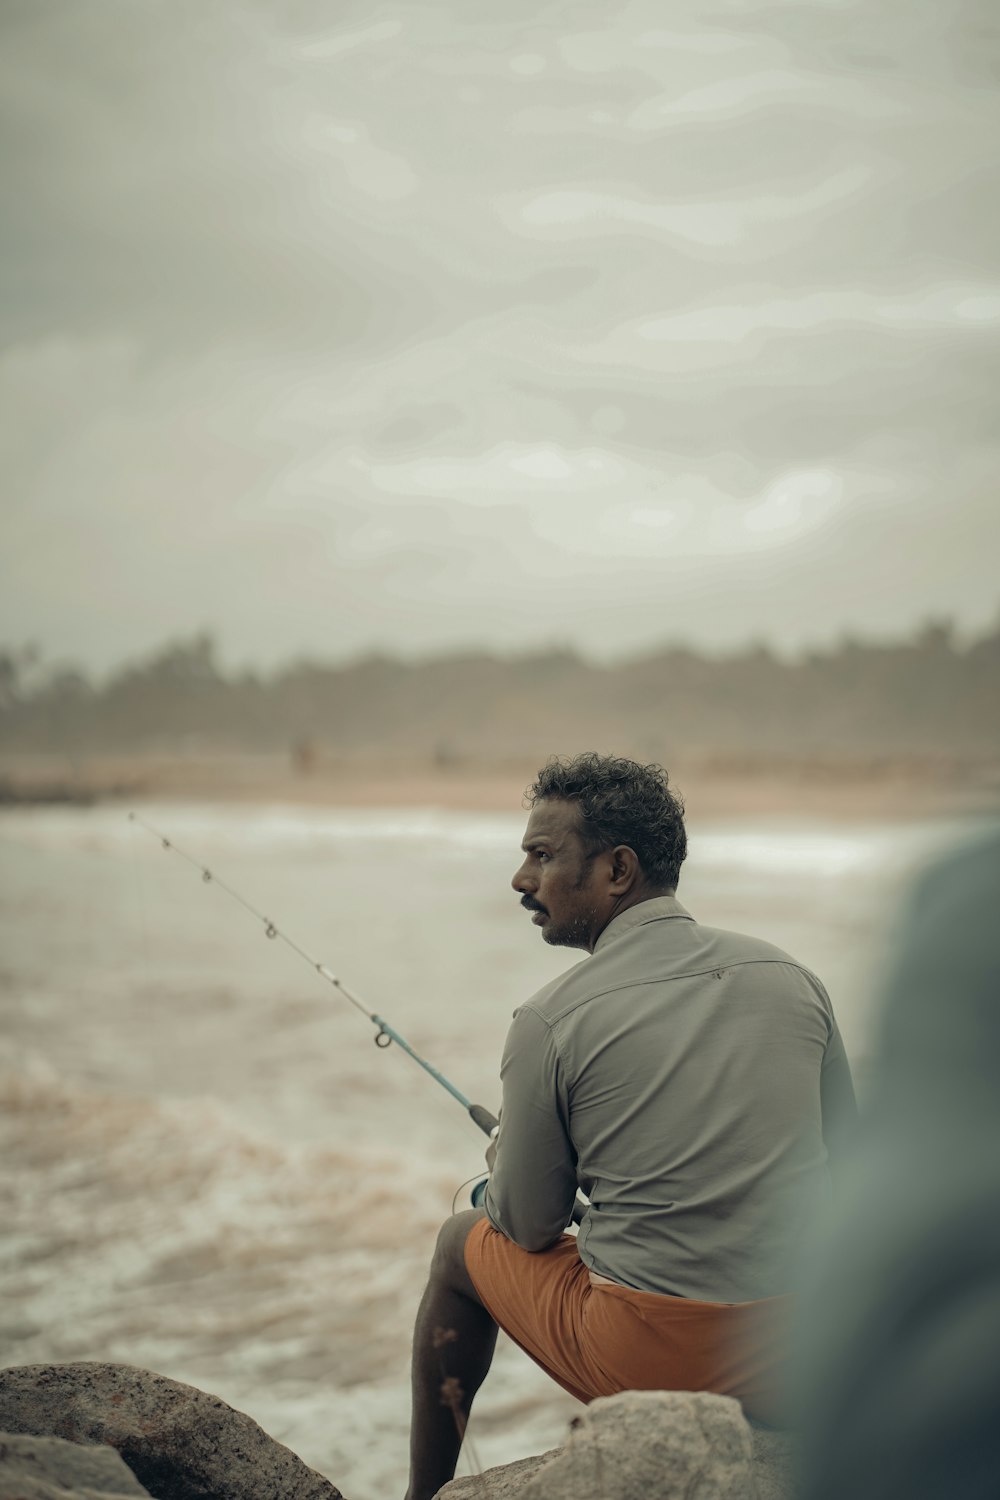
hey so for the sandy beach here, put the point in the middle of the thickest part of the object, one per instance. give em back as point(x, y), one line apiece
point(713, 787)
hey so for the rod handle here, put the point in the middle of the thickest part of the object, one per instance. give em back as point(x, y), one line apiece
point(482, 1117)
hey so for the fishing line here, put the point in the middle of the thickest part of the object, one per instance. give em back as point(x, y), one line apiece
point(384, 1036)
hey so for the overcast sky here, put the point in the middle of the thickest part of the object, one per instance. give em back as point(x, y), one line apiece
point(427, 325)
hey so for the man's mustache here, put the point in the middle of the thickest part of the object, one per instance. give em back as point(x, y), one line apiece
point(530, 905)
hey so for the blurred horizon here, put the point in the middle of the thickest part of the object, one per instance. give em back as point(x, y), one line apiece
point(926, 698)
point(35, 666)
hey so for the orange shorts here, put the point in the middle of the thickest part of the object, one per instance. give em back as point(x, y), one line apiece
point(596, 1340)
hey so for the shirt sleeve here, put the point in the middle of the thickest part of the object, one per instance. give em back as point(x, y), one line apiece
point(532, 1188)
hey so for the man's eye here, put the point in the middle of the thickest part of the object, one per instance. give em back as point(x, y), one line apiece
point(541, 854)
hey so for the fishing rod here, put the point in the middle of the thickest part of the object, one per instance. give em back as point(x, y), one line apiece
point(384, 1036)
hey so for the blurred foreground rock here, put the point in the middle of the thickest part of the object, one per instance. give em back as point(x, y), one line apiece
point(47, 1468)
point(648, 1445)
point(181, 1443)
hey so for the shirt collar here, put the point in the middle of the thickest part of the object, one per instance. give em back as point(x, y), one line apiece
point(656, 909)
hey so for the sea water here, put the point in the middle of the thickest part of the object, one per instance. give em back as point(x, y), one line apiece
point(209, 1170)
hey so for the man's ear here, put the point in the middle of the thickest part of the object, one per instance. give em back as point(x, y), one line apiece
point(625, 870)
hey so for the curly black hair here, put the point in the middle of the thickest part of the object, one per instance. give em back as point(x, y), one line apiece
point(621, 802)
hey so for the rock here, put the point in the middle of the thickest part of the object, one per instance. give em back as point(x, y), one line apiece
point(505, 1482)
point(648, 1445)
point(181, 1443)
point(47, 1468)
point(645, 1443)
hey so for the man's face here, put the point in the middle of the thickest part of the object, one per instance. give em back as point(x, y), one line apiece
point(558, 881)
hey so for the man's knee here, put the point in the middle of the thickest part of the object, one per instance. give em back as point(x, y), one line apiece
point(448, 1265)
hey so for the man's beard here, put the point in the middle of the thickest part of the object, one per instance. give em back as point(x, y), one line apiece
point(572, 934)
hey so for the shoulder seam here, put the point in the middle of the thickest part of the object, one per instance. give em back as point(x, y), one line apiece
point(550, 1028)
point(785, 963)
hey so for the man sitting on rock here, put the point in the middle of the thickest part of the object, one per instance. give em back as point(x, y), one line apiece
point(689, 1081)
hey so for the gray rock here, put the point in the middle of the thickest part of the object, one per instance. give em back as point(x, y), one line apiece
point(505, 1482)
point(47, 1468)
point(645, 1443)
point(181, 1443)
point(648, 1445)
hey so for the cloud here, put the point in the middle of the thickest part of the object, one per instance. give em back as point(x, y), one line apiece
point(744, 93)
point(650, 48)
point(372, 171)
point(326, 44)
point(714, 225)
point(402, 325)
point(542, 469)
point(956, 309)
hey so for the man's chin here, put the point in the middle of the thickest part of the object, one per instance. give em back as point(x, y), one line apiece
point(563, 937)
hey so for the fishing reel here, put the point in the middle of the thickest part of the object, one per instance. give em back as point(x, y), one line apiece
point(490, 1126)
point(478, 1195)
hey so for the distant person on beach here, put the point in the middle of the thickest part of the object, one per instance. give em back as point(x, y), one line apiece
point(899, 1376)
point(691, 1082)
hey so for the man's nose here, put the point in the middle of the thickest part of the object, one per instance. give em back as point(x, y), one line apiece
point(522, 880)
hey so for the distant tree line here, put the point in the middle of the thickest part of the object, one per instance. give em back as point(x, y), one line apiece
point(927, 695)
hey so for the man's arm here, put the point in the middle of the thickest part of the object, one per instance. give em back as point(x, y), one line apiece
point(531, 1192)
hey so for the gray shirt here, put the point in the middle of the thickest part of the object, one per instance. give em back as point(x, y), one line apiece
point(688, 1081)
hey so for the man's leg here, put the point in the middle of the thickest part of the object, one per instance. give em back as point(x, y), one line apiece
point(453, 1342)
